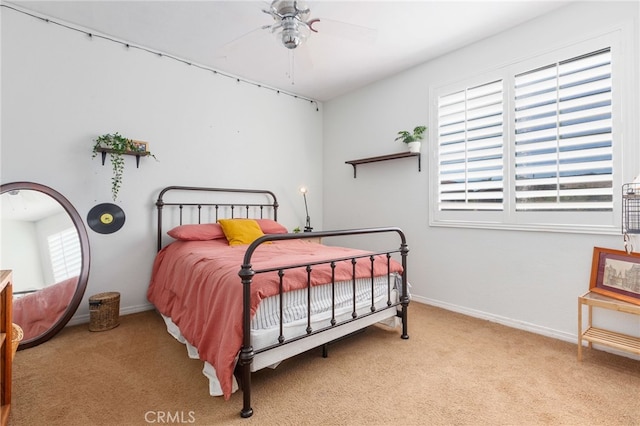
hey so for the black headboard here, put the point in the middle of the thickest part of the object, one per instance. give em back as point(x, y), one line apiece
point(214, 204)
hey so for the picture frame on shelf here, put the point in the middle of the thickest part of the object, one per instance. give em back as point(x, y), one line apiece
point(140, 146)
point(616, 274)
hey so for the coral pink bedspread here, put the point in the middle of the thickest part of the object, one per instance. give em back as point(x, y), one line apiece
point(36, 312)
point(196, 283)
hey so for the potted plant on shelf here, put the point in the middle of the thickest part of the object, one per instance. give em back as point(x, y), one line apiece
point(116, 146)
point(412, 139)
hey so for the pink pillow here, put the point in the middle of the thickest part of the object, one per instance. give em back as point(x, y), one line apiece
point(270, 226)
point(197, 232)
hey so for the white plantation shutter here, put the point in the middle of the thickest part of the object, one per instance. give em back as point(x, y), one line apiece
point(542, 143)
point(65, 253)
point(563, 138)
point(470, 148)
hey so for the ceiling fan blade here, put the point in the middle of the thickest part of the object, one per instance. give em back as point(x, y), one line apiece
point(247, 37)
point(345, 30)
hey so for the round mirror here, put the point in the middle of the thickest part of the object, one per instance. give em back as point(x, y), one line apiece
point(45, 244)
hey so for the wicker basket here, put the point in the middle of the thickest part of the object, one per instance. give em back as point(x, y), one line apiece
point(16, 337)
point(104, 311)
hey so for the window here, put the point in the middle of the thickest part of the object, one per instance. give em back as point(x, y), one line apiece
point(532, 145)
point(563, 143)
point(65, 254)
point(470, 148)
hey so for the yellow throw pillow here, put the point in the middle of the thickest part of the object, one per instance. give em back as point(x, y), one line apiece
point(240, 231)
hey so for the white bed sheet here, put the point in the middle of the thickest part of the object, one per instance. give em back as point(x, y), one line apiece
point(264, 337)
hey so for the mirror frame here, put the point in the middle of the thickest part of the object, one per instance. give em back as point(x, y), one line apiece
point(83, 277)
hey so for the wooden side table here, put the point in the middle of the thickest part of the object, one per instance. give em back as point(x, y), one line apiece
point(601, 336)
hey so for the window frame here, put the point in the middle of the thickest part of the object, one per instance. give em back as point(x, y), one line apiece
point(624, 150)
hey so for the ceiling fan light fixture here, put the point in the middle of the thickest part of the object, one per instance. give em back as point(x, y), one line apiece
point(293, 33)
point(290, 39)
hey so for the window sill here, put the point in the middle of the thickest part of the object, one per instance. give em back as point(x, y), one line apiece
point(568, 229)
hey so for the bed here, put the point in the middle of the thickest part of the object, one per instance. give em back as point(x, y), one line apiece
point(243, 293)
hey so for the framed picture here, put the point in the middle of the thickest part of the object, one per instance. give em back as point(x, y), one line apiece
point(616, 274)
point(140, 146)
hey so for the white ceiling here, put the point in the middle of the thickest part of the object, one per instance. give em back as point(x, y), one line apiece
point(342, 56)
point(28, 205)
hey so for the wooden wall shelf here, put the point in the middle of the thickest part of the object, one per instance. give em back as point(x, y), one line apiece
point(387, 157)
point(137, 154)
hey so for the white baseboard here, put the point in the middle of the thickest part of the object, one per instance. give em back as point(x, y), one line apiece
point(509, 322)
point(521, 325)
point(127, 310)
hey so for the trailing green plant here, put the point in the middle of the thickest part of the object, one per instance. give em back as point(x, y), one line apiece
point(117, 145)
point(415, 136)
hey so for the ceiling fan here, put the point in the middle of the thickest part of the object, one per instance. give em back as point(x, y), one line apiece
point(292, 24)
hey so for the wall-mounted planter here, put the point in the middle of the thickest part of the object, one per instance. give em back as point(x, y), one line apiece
point(116, 146)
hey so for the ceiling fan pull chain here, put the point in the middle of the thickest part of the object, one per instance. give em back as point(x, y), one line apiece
point(292, 68)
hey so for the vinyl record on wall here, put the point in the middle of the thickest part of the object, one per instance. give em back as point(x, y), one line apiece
point(105, 218)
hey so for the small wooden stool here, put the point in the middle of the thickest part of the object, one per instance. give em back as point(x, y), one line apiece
point(104, 311)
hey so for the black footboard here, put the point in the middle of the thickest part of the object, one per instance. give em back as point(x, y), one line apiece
point(247, 274)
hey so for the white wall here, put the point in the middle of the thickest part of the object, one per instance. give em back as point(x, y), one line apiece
point(61, 89)
point(529, 280)
point(21, 251)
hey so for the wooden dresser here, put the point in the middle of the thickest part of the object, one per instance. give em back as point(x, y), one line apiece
point(6, 351)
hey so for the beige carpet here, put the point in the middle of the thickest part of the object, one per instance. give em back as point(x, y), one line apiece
point(454, 370)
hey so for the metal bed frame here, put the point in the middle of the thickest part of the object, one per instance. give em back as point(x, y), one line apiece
point(252, 360)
